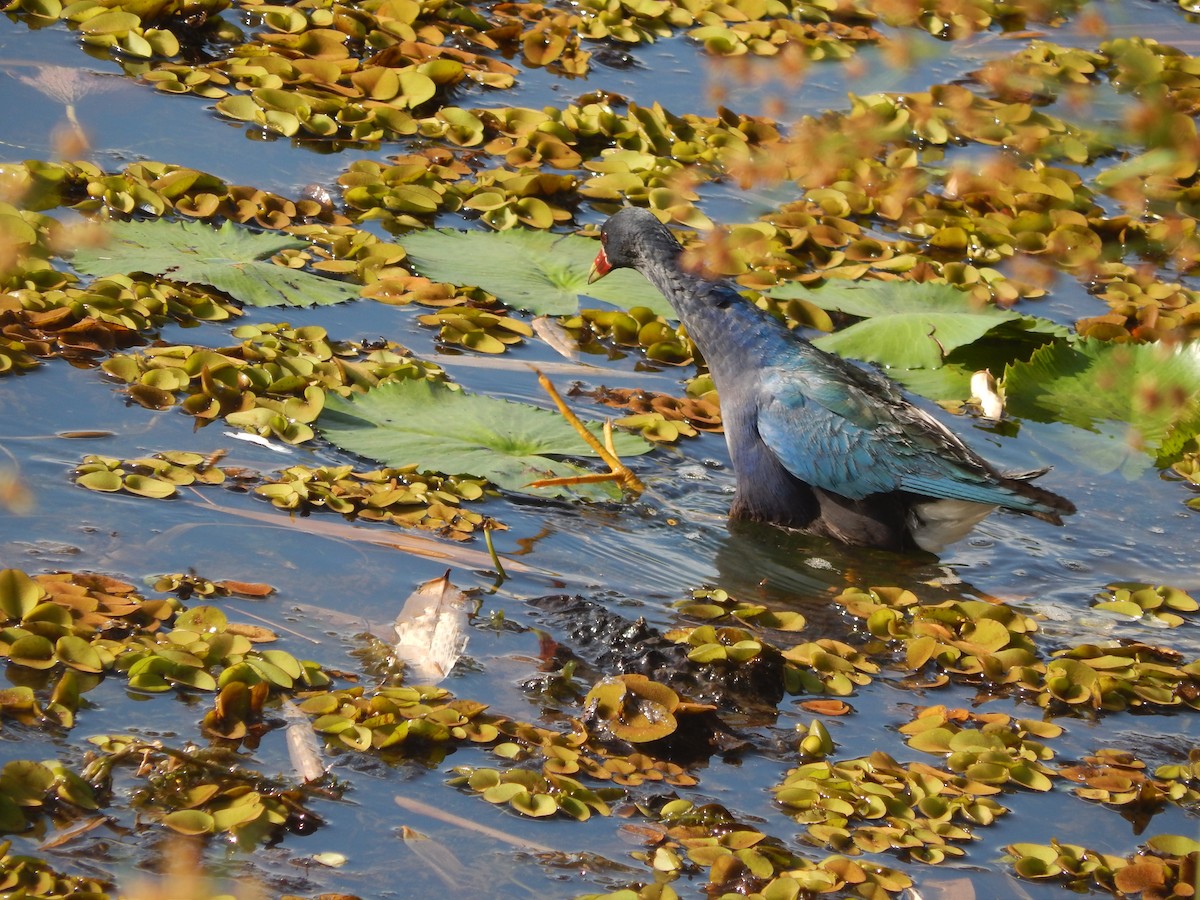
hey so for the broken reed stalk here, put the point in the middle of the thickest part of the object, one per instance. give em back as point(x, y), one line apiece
point(618, 471)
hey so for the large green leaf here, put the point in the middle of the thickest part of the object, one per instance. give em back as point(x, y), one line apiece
point(1134, 402)
point(232, 259)
point(533, 270)
point(910, 325)
point(443, 430)
point(950, 382)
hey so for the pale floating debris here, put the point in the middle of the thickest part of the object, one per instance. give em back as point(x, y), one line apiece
point(330, 859)
point(441, 815)
point(437, 856)
point(983, 392)
point(258, 439)
point(66, 84)
point(431, 630)
point(557, 337)
point(949, 889)
point(68, 834)
point(494, 363)
point(303, 749)
point(15, 495)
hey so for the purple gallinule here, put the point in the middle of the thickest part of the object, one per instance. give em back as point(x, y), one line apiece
point(817, 443)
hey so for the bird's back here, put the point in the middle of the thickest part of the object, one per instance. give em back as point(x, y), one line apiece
point(881, 470)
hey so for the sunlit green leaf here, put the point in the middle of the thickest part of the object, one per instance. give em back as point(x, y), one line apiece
point(912, 325)
point(1133, 403)
point(189, 821)
point(232, 259)
point(534, 270)
point(442, 430)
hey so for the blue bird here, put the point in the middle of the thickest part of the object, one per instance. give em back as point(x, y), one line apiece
point(817, 443)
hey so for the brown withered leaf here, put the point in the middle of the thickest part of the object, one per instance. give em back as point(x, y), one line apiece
point(827, 707)
point(700, 413)
point(250, 589)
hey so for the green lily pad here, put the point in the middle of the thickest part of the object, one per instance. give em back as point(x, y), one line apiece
point(912, 325)
point(951, 382)
point(26, 782)
point(33, 652)
point(442, 430)
point(535, 805)
point(231, 259)
point(532, 270)
point(19, 594)
point(1173, 844)
point(189, 821)
point(11, 818)
point(79, 654)
point(1134, 403)
point(634, 708)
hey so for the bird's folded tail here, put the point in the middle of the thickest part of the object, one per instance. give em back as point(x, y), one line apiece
point(1027, 476)
point(1039, 502)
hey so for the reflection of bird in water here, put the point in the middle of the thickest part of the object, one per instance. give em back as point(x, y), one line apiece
point(817, 443)
point(791, 570)
point(67, 85)
point(681, 542)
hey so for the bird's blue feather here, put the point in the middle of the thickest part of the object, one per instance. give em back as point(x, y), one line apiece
point(836, 436)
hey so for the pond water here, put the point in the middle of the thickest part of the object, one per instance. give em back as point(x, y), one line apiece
point(636, 559)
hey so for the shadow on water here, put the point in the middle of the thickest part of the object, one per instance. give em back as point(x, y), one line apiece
point(655, 559)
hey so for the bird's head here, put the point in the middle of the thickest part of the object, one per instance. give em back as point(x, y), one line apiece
point(631, 238)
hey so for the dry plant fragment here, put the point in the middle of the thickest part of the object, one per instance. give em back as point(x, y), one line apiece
point(430, 629)
point(617, 472)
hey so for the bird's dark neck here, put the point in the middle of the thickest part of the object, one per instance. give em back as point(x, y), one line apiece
point(735, 337)
point(739, 342)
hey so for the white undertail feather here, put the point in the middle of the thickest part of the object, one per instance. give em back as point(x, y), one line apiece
point(937, 523)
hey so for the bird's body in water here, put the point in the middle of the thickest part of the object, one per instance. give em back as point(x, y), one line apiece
point(817, 443)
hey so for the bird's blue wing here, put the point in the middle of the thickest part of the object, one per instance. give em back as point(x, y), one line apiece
point(853, 433)
point(820, 445)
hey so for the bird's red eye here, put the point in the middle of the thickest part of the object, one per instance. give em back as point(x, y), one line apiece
point(603, 238)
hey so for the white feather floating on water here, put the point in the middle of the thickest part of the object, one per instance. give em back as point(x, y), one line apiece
point(556, 337)
point(431, 630)
point(303, 749)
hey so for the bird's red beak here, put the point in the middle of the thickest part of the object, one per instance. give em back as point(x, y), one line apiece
point(600, 267)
